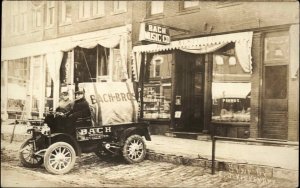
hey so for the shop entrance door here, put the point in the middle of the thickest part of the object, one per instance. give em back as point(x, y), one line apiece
point(275, 86)
point(275, 104)
point(190, 70)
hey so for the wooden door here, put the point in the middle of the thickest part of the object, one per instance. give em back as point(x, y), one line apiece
point(190, 90)
point(275, 86)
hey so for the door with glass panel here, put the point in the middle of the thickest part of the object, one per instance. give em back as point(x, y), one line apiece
point(275, 86)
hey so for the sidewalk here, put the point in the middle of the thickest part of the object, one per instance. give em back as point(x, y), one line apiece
point(260, 160)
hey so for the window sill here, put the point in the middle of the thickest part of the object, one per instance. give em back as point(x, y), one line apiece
point(65, 24)
point(154, 17)
point(90, 18)
point(118, 12)
point(188, 11)
point(49, 26)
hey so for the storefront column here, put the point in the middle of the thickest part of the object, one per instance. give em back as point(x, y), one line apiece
point(293, 102)
point(4, 73)
point(207, 92)
point(173, 90)
point(256, 86)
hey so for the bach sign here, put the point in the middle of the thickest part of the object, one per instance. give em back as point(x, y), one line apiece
point(154, 33)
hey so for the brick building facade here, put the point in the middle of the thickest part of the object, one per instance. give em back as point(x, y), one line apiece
point(34, 33)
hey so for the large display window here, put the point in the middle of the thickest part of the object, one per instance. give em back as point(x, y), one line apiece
point(231, 87)
point(157, 88)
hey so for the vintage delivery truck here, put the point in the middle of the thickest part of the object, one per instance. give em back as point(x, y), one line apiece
point(111, 129)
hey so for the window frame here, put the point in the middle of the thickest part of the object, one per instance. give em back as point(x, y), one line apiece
point(182, 6)
point(117, 9)
point(51, 6)
point(152, 5)
point(63, 14)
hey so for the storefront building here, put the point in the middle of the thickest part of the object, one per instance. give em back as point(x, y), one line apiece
point(42, 59)
point(236, 80)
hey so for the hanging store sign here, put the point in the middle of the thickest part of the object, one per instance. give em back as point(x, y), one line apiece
point(154, 33)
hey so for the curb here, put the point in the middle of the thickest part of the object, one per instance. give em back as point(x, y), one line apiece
point(235, 168)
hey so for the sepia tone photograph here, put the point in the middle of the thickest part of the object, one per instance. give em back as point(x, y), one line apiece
point(170, 93)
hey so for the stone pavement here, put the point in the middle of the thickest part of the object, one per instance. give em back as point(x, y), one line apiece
point(259, 160)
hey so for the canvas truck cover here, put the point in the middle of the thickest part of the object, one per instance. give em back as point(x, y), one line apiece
point(116, 99)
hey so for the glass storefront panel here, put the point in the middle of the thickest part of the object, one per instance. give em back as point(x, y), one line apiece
point(231, 88)
point(157, 88)
point(17, 87)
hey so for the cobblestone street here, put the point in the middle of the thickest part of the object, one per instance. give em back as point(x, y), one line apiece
point(115, 173)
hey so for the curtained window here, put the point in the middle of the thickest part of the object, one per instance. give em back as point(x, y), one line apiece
point(230, 87)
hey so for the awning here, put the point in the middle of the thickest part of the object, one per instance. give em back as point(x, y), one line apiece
point(245, 37)
point(230, 90)
point(201, 45)
point(108, 38)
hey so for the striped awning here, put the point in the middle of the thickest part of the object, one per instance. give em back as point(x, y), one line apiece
point(201, 45)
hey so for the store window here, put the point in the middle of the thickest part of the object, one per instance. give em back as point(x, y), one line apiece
point(66, 12)
point(157, 7)
point(17, 86)
point(157, 88)
point(120, 6)
point(50, 12)
point(231, 87)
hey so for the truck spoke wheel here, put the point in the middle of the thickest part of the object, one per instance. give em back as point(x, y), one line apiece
point(134, 149)
point(27, 156)
point(59, 158)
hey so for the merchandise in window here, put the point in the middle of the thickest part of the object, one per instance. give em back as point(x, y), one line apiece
point(157, 89)
point(18, 74)
point(231, 88)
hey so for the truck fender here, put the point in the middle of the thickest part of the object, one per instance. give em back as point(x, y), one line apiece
point(135, 130)
point(61, 137)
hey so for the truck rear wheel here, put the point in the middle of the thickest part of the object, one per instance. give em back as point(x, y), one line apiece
point(134, 150)
point(59, 158)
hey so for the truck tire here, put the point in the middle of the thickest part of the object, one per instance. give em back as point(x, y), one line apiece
point(134, 150)
point(27, 157)
point(59, 158)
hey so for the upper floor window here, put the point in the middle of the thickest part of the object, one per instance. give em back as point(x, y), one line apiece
point(14, 16)
point(50, 12)
point(23, 16)
point(37, 13)
point(84, 9)
point(36, 18)
point(120, 6)
point(98, 8)
point(189, 4)
point(157, 7)
point(89, 9)
point(66, 10)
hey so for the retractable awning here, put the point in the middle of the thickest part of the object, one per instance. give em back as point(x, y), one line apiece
point(201, 45)
point(108, 38)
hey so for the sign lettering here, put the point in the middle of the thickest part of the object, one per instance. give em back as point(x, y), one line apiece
point(154, 33)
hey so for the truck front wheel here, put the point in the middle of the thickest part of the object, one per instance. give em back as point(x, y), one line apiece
point(134, 150)
point(59, 158)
